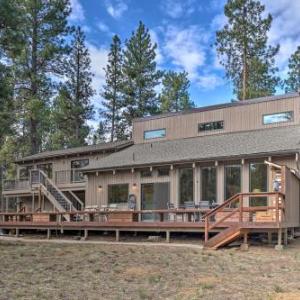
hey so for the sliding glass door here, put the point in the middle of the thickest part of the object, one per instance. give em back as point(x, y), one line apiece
point(186, 185)
point(209, 184)
point(258, 183)
point(232, 180)
point(154, 196)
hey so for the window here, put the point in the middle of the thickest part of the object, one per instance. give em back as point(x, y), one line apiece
point(77, 175)
point(46, 168)
point(186, 185)
point(80, 163)
point(258, 183)
point(118, 193)
point(216, 125)
point(209, 184)
point(163, 171)
point(24, 172)
point(278, 117)
point(232, 180)
point(146, 173)
point(154, 134)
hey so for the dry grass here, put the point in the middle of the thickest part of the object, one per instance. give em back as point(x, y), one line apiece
point(82, 271)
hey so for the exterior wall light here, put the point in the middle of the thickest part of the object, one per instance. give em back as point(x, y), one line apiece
point(100, 188)
point(134, 186)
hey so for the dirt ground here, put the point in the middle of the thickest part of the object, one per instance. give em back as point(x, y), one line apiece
point(35, 270)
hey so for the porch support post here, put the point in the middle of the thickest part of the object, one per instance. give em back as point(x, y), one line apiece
point(270, 237)
point(17, 232)
point(168, 236)
point(292, 232)
point(117, 235)
point(279, 240)
point(285, 237)
point(32, 202)
point(48, 233)
point(86, 234)
point(245, 245)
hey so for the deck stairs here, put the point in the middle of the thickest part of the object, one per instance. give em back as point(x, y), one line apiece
point(39, 180)
point(77, 203)
point(231, 227)
point(225, 237)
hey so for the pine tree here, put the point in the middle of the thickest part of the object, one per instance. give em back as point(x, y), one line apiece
point(7, 116)
point(243, 50)
point(11, 41)
point(43, 26)
point(175, 95)
point(112, 91)
point(99, 134)
point(72, 107)
point(292, 83)
point(140, 76)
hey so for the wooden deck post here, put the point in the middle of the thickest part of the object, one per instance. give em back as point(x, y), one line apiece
point(48, 233)
point(279, 240)
point(86, 234)
point(244, 245)
point(168, 236)
point(292, 232)
point(17, 232)
point(241, 209)
point(206, 230)
point(270, 235)
point(285, 237)
point(117, 235)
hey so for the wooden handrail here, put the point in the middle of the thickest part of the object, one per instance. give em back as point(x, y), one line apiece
point(221, 205)
point(241, 209)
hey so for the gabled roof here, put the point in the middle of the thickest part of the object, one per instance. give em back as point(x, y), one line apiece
point(264, 142)
point(113, 146)
point(220, 106)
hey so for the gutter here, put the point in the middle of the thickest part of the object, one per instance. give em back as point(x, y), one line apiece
point(180, 162)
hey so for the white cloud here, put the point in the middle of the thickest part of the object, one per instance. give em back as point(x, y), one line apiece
point(186, 48)
point(209, 81)
point(103, 27)
point(285, 28)
point(77, 13)
point(99, 57)
point(218, 22)
point(178, 8)
point(154, 38)
point(115, 8)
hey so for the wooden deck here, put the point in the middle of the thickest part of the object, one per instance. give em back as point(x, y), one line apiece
point(230, 220)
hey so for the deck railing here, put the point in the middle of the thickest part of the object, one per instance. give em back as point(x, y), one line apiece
point(11, 185)
point(69, 176)
point(237, 210)
point(119, 216)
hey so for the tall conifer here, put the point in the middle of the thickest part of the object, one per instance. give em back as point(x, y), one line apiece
point(72, 107)
point(140, 76)
point(243, 49)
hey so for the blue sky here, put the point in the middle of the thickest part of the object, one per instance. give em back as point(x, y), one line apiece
point(184, 31)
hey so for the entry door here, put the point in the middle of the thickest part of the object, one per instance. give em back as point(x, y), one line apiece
point(154, 196)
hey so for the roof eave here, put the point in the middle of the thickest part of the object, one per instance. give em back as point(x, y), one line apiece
point(186, 161)
point(29, 160)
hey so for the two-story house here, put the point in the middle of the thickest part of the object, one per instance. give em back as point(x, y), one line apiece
point(236, 165)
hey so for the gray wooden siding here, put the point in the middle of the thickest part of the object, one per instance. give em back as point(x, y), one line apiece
point(94, 196)
point(238, 118)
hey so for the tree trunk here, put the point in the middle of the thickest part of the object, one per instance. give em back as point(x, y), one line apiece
point(33, 119)
point(245, 79)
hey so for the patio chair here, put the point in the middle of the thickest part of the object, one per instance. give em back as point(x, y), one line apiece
point(204, 204)
point(171, 216)
point(191, 205)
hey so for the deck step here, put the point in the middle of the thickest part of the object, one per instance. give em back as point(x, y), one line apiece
point(225, 237)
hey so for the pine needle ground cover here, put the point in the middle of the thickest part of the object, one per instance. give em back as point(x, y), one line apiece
point(86, 271)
